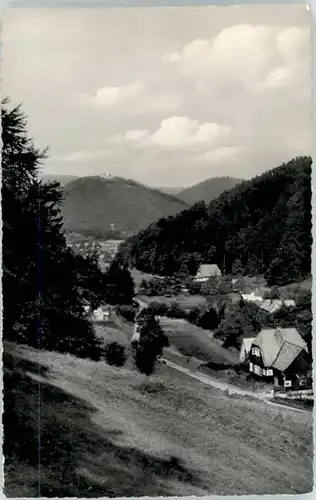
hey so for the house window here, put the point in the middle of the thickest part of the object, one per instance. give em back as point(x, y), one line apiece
point(287, 383)
point(255, 351)
point(251, 367)
point(269, 372)
point(257, 370)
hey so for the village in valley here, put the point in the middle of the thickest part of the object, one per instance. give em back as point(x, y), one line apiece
point(272, 361)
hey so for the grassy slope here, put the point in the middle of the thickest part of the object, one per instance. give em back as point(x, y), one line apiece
point(207, 190)
point(104, 434)
point(193, 341)
point(94, 203)
point(184, 337)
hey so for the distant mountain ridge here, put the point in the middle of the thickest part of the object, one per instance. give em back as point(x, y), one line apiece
point(94, 203)
point(174, 191)
point(208, 189)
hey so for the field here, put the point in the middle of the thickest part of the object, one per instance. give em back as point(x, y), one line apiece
point(111, 333)
point(139, 276)
point(113, 432)
point(288, 290)
point(182, 300)
point(186, 338)
point(193, 341)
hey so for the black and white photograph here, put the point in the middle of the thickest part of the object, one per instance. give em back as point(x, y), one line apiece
point(156, 251)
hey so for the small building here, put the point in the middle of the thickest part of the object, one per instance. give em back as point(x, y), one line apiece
point(251, 297)
point(271, 306)
point(101, 314)
point(136, 334)
point(289, 303)
point(273, 354)
point(207, 271)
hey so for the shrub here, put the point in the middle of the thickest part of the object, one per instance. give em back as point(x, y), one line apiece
point(127, 312)
point(114, 354)
point(208, 319)
point(157, 308)
point(151, 388)
point(193, 315)
point(175, 311)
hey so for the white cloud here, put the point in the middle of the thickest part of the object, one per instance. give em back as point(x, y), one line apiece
point(232, 88)
point(240, 51)
point(293, 42)
point(136, 98)
point(131, 136)
point(248, 54)
point(177, 133)
point(181, 131)
point(222, 154)
point(106, 97)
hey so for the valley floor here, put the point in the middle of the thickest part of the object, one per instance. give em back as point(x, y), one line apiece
point(104, 431)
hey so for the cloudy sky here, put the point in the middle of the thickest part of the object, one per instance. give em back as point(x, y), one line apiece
point(167, 96)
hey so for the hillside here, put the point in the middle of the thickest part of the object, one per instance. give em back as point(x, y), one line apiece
point(171, 190)
point(62, 179)
point(262, 226)
point(93, 203)
point(207, 190)
point(165, 436)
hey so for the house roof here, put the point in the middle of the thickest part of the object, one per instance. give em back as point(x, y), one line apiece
point(207, 270)
point(289, 303)
point(245, 348)
point(247, 342)
point(279, 347)
point(252, 297)
point(113, 242)
point(271, 306)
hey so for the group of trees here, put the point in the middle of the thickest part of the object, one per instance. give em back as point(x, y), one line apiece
point(262, 226)
point(119, 285)
point(246, 319)
point(44, 283)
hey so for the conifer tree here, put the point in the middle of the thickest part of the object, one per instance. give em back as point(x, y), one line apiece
point(151, 342)
point(42, 300)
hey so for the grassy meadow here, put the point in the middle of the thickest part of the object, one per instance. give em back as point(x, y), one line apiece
point(191, 340)
point(106, 431)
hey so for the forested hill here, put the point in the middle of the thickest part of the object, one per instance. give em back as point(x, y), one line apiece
point(261, 226)
point(93, 203)
point(207, 190)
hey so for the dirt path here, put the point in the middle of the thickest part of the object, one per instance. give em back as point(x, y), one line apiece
point(228, 388)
